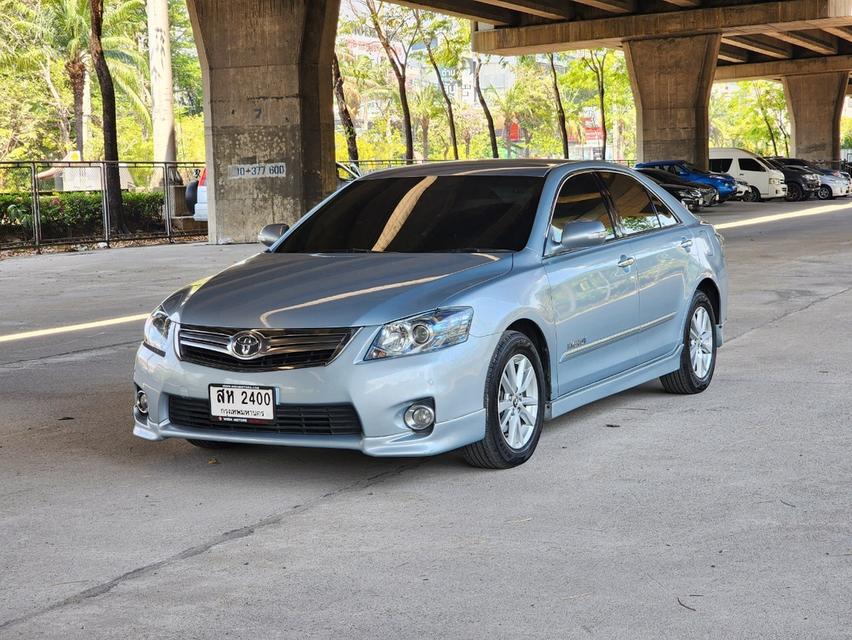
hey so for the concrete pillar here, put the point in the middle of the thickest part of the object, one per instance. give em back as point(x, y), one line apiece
point(671, 80)
point(266, 66)
point(815, 104)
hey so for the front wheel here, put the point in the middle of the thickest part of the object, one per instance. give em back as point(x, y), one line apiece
point(794, 193)
point(825, 193)
point(698, 358)
point(514, 402)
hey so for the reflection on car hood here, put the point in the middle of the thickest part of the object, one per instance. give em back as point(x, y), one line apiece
point(292, 290)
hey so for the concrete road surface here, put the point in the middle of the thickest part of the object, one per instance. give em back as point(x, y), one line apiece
point(724, 515)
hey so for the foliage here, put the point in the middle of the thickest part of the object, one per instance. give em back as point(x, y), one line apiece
point(76, 214)
point(750, 115)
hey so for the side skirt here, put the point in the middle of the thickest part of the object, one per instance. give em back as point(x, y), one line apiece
point(615, 384)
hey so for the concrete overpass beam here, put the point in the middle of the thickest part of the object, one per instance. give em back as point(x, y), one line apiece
point(671, 80)
point(815, 104)
point(267, 101)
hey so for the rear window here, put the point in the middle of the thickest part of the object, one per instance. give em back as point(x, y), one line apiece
point(423, 214)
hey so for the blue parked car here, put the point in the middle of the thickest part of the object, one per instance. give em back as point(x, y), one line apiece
point(726, 185)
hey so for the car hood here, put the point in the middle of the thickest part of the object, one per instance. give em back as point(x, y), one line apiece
point(293, 290)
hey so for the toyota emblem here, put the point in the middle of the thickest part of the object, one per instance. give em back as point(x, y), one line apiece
point(246, 344)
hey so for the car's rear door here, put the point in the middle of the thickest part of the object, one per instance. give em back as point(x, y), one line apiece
point(661, 245)
point(594, 291)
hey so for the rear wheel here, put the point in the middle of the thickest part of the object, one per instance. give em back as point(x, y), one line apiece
point(825, 193)
point(794, 193)
point(514, 403)
point(698, 358)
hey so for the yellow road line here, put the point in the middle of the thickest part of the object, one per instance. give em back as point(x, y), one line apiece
point(38, 333)
point(831, 208)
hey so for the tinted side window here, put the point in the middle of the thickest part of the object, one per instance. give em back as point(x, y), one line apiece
point(665, 215)
point(721, 165)
point(632, 203)
point(580, 198)
point(750, 164)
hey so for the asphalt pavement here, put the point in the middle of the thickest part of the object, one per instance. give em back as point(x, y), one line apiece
point(645, 515)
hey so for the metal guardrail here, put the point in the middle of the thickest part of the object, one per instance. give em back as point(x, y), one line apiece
point(63, 202)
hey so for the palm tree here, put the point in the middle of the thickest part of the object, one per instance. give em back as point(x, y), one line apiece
point(426, 106)
point(59, 30)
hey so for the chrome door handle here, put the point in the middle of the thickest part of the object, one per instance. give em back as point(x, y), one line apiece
point(626, 261)
point(686, 243)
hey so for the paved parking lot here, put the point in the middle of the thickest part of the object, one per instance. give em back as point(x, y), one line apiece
point(644, 515)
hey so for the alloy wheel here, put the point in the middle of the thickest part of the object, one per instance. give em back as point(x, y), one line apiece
point(824, 193)
point(701, 342)
point(517, 401)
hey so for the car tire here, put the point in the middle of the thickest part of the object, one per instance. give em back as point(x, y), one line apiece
point(752, 195)
point(694, 375)
point(508, 405)
point(825, 193)
point(210, 444)
point(794, 193)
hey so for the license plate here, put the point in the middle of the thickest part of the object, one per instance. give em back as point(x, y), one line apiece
point(238, 403)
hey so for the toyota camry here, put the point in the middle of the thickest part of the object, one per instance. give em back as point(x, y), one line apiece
point(431, 308)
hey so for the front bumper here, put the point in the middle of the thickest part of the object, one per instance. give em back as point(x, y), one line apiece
point(379, 390)
point(777, 191)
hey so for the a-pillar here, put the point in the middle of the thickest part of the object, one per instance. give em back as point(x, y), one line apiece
point(815, 104)
point(266, 67)
point(672, 79)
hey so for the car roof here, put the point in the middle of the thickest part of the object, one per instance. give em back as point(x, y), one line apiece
point(521, 167)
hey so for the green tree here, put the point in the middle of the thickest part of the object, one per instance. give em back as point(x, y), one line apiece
point(59, 30)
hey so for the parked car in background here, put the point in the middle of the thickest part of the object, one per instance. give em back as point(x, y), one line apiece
point(801, 183)
point(437, 307)
point(743, 188)
point(724, 184)
point(693, 194)
point(766, 182)
point(833, 183)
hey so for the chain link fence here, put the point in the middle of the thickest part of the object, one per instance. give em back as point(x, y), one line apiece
point(44, 203)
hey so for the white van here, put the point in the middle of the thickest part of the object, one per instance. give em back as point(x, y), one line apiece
point(766, 182)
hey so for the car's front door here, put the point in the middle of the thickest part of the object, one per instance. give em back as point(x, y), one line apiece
point(594, 292)
point(661, 246)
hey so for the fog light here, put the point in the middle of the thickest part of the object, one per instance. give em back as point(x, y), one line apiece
point(419, 416)
point(142, 402)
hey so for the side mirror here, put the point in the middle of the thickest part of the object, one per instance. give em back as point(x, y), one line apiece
point(581, 234)
point(270, 233)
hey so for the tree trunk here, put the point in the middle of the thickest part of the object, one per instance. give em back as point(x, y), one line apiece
point(451, 120)
point(492, 134)
point(424, 128)
point(162, 86)
point(113, 178)
point(604, 132)
point(399, 71)
point(61, 111)
point(343, 111)
point(76, 70)
point(560, 111)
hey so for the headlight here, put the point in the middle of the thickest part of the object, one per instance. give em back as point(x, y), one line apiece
point(157, 331)
point(421, 334)
point(774, 181)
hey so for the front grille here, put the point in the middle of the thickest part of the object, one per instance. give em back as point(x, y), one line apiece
point(307, 419)
point(282, 348)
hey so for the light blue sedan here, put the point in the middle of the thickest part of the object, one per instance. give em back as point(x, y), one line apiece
point(448, 306)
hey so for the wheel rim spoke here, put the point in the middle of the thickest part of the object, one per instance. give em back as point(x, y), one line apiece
point(517, 401)
point(701, 340)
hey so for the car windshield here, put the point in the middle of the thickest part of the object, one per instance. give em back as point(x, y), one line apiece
point(422, 214)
